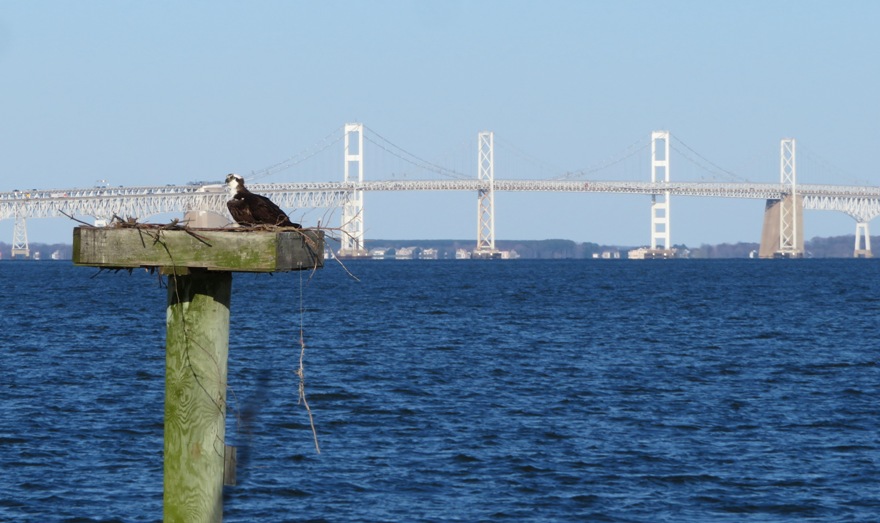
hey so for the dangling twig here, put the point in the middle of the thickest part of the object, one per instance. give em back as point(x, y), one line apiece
point(300, 372)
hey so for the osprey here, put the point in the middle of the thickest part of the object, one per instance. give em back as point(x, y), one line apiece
point(251, 209)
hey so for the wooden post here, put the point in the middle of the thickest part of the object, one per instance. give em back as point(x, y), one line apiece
point(200, 264)
point(197, 343)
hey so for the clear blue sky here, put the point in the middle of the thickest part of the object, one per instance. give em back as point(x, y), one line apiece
point(142, 93)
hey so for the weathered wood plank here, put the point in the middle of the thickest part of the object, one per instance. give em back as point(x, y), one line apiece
point(211, 249)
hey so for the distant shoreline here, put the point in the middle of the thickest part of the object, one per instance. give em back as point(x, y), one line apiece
point(829, 247)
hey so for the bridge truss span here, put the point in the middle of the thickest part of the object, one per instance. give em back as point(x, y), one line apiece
point(305, 195)
point(103, 204)
point(862, 203)
point(861, 208)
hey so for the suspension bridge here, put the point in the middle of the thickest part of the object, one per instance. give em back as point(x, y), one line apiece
point(782, 234)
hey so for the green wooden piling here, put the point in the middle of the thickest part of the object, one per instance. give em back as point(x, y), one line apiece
point(200, 263)
point(197, 344)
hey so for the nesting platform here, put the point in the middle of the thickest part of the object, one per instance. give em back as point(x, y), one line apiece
point(176, 250)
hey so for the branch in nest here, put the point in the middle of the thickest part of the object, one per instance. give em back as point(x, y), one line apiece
point(130, 221)
point(77, 219)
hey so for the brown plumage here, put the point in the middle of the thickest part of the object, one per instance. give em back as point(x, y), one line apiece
point(251, 209)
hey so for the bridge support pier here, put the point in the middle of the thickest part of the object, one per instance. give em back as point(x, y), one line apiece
point(352, 240)
point(771, 246)
point(20, 246)
point(783, 234)
point(863, 241)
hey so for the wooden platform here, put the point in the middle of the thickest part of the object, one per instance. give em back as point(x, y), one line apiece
point(177, 250)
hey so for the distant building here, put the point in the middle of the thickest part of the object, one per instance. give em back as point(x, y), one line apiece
point(404, 253)
point(428, 254)
point(378, 254)
point(494, 255)
point(644, 253)
point(462, 254)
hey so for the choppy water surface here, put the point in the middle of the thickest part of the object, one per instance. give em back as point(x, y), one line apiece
point(464, 391)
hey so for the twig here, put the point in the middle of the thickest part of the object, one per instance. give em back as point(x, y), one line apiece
point(87, 224)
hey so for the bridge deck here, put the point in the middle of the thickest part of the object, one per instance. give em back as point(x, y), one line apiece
point(862, 203)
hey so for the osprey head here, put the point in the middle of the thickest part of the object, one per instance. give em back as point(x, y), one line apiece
point(235, 183)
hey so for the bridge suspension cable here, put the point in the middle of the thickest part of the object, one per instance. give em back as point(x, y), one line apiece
point(316, 149)
point(630, 151)
point(403, 154)
point(520, 153)
point(828, 167)
point(715, 169)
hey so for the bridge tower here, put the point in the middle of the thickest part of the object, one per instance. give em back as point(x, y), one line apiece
point(352, 240)
point(661, 244)
point(788, 208)
point(783, 235)
point(486, 196)
point(19, 236)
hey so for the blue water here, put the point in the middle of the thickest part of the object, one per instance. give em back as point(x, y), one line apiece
point(679, 391)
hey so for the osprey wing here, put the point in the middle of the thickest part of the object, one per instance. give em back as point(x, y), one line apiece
point(241, 212)
point(266, 212)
